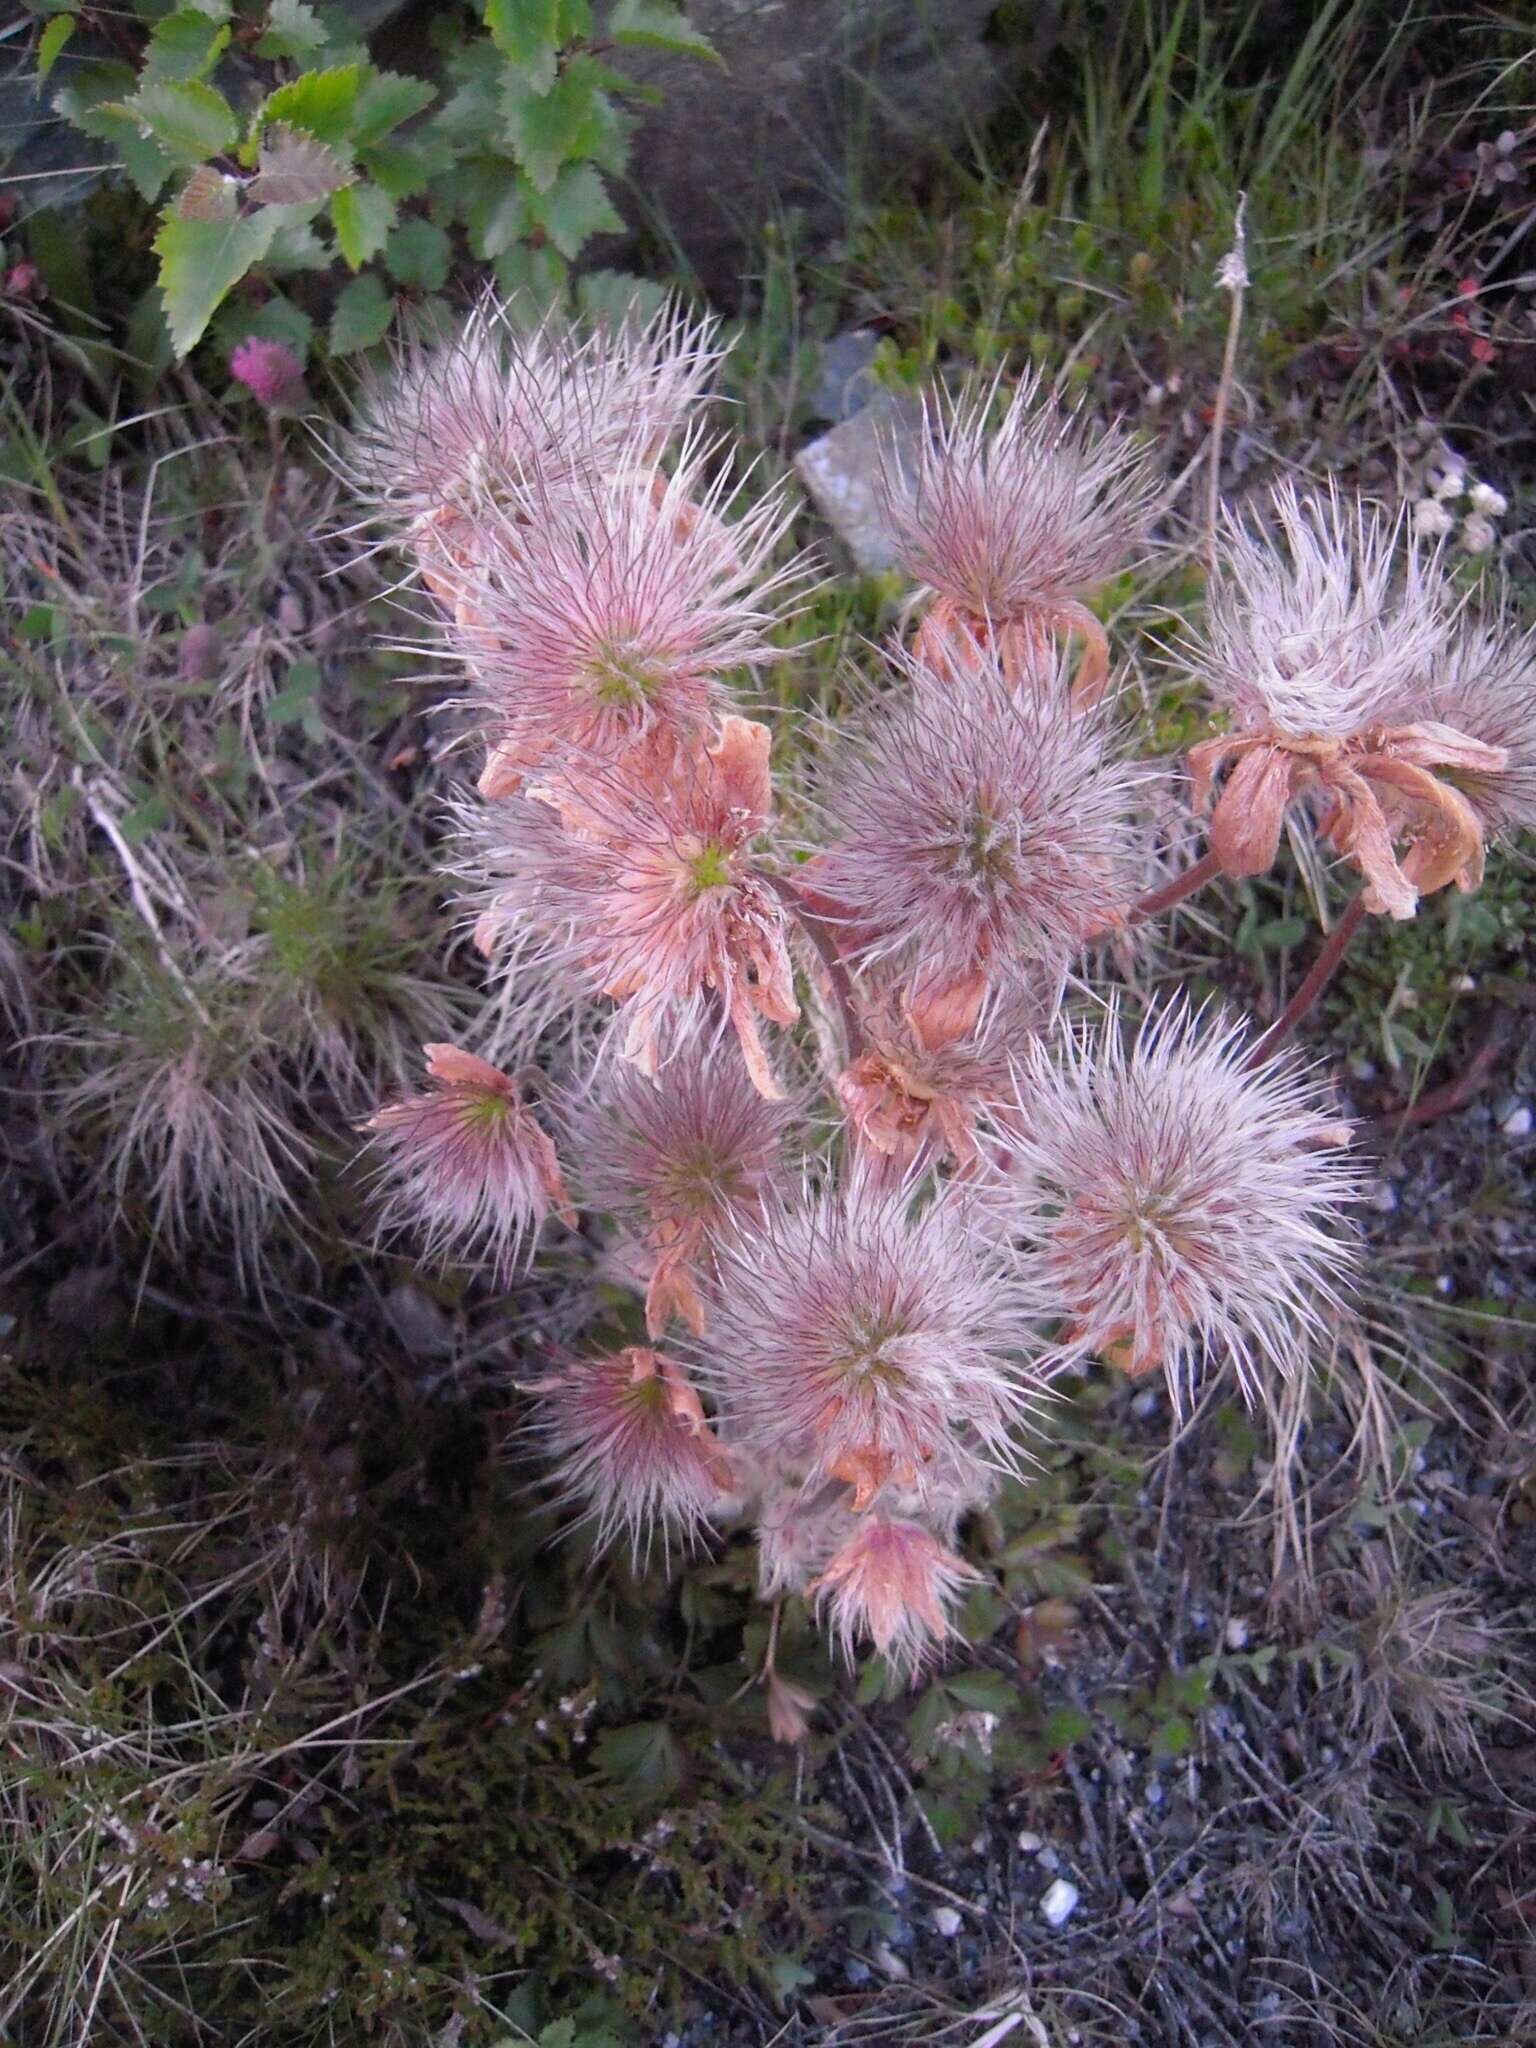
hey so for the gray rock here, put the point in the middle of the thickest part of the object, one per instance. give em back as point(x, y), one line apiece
point(818, 104)
point(840, 470)
point(844, 384)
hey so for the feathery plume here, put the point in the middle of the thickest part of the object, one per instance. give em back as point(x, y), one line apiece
point(1171, 1201)
point(678, 1159)
point(638, 881)
point(850, 1339)
point(976, 834)
point(1316, 647)
point(629, 1438)
point(1485, 687)
point(895, 1583)
point(465, 1163)
point(1009, 527)
point(600, 615)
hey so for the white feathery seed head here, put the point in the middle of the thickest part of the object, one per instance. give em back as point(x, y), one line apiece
point(1319, 621)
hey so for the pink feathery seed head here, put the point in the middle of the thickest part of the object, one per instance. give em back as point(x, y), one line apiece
point(850, 1338)
point(465, 1163)
point(630, 1442)
point(639, 880)
point(1017, 521)
point(663, 366)
point(1170, 1201)
point(895, 1584)
point(973, 832)
point(1319, 622)
point(272, 374)
point(677, 1159)
point(935, 1067)
point(502, 402)
point(1484, 687)
point(599, 616)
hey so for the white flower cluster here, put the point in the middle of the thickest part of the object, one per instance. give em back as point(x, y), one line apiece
point(1451, 499)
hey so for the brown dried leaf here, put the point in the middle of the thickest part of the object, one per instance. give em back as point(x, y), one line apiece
point(295, 169)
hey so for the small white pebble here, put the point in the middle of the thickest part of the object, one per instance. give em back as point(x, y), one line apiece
point(1477, 534)
point(1030, 1843)
point(1431, 520)
point(1383, 1197)
point(947, 1921)
point(1518, 1123)
point(1464, 984)
point(1060, 1902)
point(1485, 499)
point(1444, 1284)
point(1237, 1633)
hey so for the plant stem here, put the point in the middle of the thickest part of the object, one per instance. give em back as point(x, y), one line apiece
point(1455, 1094)
point(816, 930)
point(1316, 979)
point(1233, 277)
point(1204, 870)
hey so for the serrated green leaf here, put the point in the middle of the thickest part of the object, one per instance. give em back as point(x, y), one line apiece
point(646, 1758)
point(92, 102)
point(200, 261)
point(50, 44)
point(275, 319)
point(296, 246)
point(322, 103)
point(405, 168)
point(575, 20)
point(527, 31)
point(363, 216)
point(293, 30)
point(574, 209)
point(534, 276)
point(987, 1692)
point(387, 99)
point(190, 120)
point(494, 201)
point(417, 255)
point(658, 26)
point(547, 130)
point(184, 47)
point(364, 310)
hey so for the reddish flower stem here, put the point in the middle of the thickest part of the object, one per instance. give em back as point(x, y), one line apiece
point(1205, 869)
point(1316, 979)
point(818, 932)
point(1456, 1094)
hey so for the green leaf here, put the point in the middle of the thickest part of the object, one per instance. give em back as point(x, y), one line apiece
point(363, 217)
point(552, 128)
point(364, 310)
point(293, 30)
point(527, 31)
point(200, 261)
point(417, 255)
point(575, 21)
point(275, 319)
point(658, 26)
point(536, 276)
point(385, 101)
point(190, 120)
point(185, 46)
point(495, 207)
point(405, 168)
point(85, 105)
point(987, 1691)
point(647, 1758)
point(322, 103)
point(1173, 1737)
point(296, 246)
point(50, 44)
point(574, 209)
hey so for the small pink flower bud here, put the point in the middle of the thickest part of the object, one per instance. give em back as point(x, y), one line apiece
point(271, 372)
